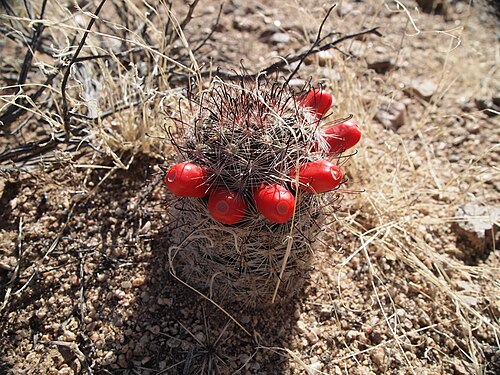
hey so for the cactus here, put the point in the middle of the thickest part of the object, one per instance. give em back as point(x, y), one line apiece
point(248, 137)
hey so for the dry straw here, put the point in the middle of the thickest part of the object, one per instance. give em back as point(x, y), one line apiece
point(407, 187)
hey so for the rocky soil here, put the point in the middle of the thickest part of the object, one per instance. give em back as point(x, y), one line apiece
point(406, 274)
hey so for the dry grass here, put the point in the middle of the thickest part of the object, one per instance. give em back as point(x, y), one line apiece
point(396, 260)
point(409, 191)
point(118, 84)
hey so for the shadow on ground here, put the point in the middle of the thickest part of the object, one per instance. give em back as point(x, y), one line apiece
point(93, 293)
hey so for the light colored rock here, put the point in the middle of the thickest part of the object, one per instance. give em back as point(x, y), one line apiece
point(469, 300)
point(210, 9)
point(352, 335)
point(279, 38)
point(391, 114)
point(65, 371)
point(380, 60)
point(301, 327)
point(316, 364)
point(126, 284)
point(109, 358)
point(344, 8)
point(357, 48)
point(242, 23)
point(477, 230)
point(325, 58)
point(472, 127)
point(378, 357)
point(423, 88)
point(69, 336)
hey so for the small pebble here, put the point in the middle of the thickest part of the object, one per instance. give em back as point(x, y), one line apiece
point(109, 358)
point(126, 284)
point(301, 327)
point(65, 371)
point(380, 60)
point(325, 58)
point(122, 361)
point(165, 301)
point(378, 357)
point(352, 335)
point(422, 88)
point(344, 8)
point(138, 281)
point(279, 38)
point(391, 114)
point(69, 336)
point(200, 336)
point(312, 337)
point(118, 293)
point(471, 301)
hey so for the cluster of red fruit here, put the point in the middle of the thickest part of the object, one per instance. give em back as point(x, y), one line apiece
point(274, 201)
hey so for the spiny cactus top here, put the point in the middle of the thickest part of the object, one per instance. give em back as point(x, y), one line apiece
point(255, 147)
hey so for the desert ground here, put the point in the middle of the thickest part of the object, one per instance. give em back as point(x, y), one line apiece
point(405, 273)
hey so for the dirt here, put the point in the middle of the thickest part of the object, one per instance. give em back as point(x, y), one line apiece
point(85, 285)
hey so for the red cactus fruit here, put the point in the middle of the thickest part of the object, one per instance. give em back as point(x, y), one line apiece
point(187, 180)
point(318, 176)
point(318, 100)
point(342, 136)
point(275, 202)
point(226, 206)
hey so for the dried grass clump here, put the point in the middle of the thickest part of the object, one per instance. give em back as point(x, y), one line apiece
point(246, 134)
point(95, 76)
point(402, 223)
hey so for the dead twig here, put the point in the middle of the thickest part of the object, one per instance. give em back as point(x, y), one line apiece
point(189, 15)
point(316, 42)
point(27, 152)
point(301, 56)
point(82, 310)
point(212, 30)
point(15, 273)
point(16, 109)
point(35, 40)
point(66, 114)
point(281, 64)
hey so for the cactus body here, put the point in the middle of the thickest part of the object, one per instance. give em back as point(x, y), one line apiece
point(249, 135)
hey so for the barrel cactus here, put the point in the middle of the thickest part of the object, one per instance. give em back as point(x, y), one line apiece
point(257, 174)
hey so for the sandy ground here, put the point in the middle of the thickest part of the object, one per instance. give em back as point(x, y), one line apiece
point(396, 286)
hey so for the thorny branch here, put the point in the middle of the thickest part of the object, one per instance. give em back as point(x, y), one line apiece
point(299, 57)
